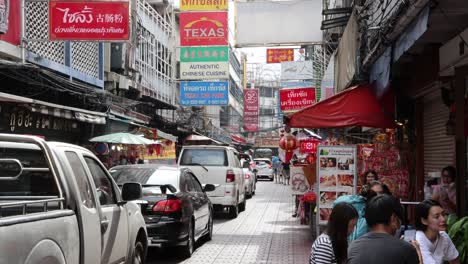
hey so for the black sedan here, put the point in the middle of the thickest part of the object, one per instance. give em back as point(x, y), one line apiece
point(176, 209)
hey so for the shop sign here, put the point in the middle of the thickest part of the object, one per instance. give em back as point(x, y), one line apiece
point(295, 99)
point(166, 151)
point(279, 55)
point(88, 20)
point(204, 70)
point(268, 142)
point(336, 176)
point(204, 93)
point(297, 70)
point(203, 5)
point(251, 110)
point(204, 29)
point(204, 54)
point(26, 119)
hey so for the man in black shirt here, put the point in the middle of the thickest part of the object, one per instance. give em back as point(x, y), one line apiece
point(383, 214)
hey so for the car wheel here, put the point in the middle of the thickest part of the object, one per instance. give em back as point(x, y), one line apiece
point(138, 253)
point(242, 205)
point(188, 249)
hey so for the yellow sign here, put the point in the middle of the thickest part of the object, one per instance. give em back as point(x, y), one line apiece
point(203, 5)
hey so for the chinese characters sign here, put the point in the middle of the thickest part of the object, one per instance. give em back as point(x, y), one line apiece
point(203, 5)
point(88, 20)
point(251, 110)
point(204, 93)
point(279, 55)
point(204, 54)
point(295, 99)
point(203, 28)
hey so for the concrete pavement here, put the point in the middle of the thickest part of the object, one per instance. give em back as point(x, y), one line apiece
point(265, 233)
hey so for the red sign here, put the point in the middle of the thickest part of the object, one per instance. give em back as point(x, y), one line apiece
point(10, 27)
point(251, 110)
point(88, 20)
point(279, 55)
point(296, 98)
point(309, 145)
point(203, 28)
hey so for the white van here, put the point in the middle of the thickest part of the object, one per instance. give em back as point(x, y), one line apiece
point(218, 165)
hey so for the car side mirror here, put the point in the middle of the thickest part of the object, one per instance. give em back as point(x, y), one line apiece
point(131, 191)
point(209, 188)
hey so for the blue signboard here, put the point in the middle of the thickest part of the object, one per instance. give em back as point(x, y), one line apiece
point(204, 93)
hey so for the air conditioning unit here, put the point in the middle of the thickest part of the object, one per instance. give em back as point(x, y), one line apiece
point(118, 57)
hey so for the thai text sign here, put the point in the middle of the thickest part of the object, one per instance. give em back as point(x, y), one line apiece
point(251, 110)
point(204, 54)
point(204, 93)
point(295, 99)
point(203, 28)
point(297, 70)
point(88, 20)
point(279, 55)
point(204, 70)
point(203, 5)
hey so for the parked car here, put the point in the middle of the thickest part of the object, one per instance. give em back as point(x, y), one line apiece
point(178, 212)
point(250, 183)
point(264, 168)
point(249, 158)
point(58, 204)
point(218, 165)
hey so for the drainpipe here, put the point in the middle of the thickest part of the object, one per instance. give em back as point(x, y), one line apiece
point(23, 31)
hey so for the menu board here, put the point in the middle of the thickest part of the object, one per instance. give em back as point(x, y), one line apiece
point(336, 176)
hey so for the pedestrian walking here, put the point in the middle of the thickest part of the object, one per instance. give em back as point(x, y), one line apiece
point(445, 192)
point(286, 172)
point(275, 161)
point(436, 246)
point(383, 215)
point(331, 247)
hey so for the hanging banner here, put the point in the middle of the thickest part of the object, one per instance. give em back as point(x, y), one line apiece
point(204, 93)
point(336, 176)
point(251, 110)
point(279, 55)
point(203, 5)
point(297, 70)
point(295, 99)
point(204, 70)
point(88, 20)
point(204, 54)
point(204, 29)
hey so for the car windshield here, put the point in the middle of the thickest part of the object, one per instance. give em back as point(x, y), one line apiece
point(205, 157)
point(146, 176)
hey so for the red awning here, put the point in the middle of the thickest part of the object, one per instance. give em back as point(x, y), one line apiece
point(238, 139)
point(356, 106)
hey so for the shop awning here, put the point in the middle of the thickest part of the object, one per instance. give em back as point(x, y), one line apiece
point(238, 139)
point(356, 106)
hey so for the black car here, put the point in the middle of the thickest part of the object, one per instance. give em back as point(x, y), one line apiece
point(176, 209)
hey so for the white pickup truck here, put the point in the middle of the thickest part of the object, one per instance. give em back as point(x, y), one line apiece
point(58, 204)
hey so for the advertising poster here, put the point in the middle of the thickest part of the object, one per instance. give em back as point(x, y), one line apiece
point(203, 29)
point(203, 5)
point(251, 110)
point(279, 55)
point(296, 98)
point(336, 176)
point(88, 20)
point(204, 93)
point(204, 70)
point(204, 54)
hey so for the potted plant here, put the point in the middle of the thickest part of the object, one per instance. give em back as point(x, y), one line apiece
point(458, 231)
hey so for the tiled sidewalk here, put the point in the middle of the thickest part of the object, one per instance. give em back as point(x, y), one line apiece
point(265, 233)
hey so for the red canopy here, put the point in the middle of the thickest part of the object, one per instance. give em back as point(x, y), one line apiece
point(356, 106)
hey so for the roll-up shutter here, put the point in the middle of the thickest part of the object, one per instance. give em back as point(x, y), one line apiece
point(439, 149)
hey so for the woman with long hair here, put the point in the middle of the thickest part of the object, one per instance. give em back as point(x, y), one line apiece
point(331, 247)
point(436, 246)
point(445, 192)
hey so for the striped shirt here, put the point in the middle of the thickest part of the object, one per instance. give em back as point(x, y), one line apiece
point(322, 251)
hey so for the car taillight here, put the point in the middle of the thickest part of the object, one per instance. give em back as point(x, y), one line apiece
point(270, 165)
point(230, 176)
point(247, 176)
point(167, 206)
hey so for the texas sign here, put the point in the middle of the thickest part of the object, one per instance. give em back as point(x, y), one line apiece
point(203, 29)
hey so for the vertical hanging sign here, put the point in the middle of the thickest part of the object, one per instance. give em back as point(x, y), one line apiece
point(251, 110)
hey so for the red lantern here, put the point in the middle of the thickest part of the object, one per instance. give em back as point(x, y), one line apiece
point(288, 143)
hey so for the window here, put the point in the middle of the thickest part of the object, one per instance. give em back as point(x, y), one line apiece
point(103, 184)
point(188, 184)
point(82, 181)
point(196, 184)
point(205, 157)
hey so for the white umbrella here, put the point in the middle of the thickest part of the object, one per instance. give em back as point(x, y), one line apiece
point(123, 138)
